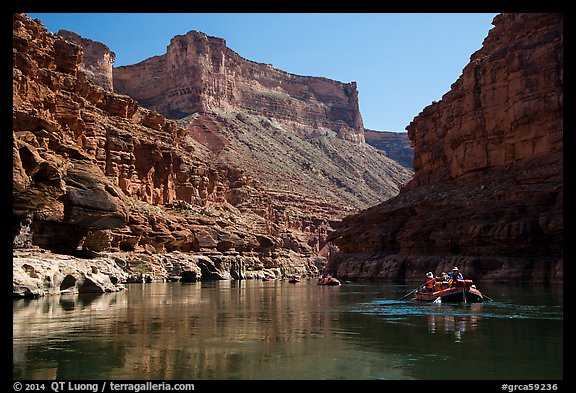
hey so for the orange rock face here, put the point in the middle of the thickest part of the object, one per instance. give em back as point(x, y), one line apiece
point(200, 74)
point(505, 108)
point(95, 172)
point(487, 192)
point(293, 134)
point(84, 155)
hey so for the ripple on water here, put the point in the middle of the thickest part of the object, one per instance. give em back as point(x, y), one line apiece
point(397, 310)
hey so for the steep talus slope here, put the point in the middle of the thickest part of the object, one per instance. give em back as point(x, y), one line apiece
point(336, 171)
point(487, 193)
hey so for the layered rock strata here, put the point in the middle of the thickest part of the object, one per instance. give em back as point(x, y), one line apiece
point(325, 169)
point(395, 145)
point(95, 172)
point(505, 108)
point(487, 193)
point(296, 135)
point(95, 175)
point(97, 59)
point(200, 73)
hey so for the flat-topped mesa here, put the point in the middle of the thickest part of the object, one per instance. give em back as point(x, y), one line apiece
point(199, 73)
point(505, 108)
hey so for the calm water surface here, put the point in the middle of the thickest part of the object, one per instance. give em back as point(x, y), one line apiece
point(277, 330)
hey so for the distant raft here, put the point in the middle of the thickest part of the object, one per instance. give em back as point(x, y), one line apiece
point(328, 281)
point(294, 279)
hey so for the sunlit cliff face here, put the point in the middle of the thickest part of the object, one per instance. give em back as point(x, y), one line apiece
point(506, 108)
point(98, 172)
point(200, 74)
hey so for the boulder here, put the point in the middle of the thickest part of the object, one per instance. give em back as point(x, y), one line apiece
point(38, 273)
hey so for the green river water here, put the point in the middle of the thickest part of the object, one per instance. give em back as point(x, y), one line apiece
point(256, 330)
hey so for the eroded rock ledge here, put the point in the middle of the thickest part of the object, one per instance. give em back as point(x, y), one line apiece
point(38, 272)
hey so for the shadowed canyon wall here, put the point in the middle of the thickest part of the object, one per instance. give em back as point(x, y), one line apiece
point(395, 145)
point(487, 192)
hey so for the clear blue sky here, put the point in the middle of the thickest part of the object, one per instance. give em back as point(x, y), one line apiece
point(401, 62)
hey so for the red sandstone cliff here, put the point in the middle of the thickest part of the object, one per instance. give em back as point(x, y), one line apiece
point(97, 175)
point(487, 193)
point(94, 172)
point(295, 135)
point(200, 73)
point(505, 108)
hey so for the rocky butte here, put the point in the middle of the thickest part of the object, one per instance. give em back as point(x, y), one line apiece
point(246, 179)
point(487, 192)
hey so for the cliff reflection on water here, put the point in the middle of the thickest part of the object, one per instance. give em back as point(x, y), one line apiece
point(214, 330)
point(272, 330)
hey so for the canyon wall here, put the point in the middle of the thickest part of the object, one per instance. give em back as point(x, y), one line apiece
point(94, 173)
point(395, 145)
point(487, 192)
point(295, 135)
point(97, 59)
point(98, 177)
point(200, 73)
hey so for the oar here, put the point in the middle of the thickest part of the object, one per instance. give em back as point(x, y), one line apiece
point(487, 297)
point(411, 292)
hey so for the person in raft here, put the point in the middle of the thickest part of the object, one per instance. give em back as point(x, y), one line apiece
point(429, 282)
point(454, 275)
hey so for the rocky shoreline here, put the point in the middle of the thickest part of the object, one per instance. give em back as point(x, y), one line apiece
point(38, 272)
